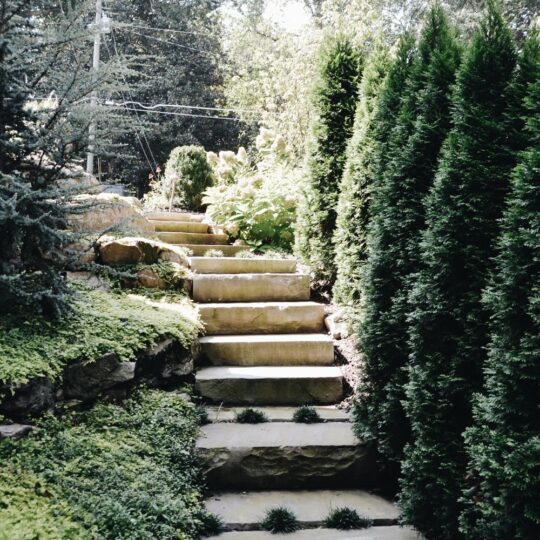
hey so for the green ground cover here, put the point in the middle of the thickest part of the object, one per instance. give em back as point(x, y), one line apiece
point(98, 323)
point(118, 471)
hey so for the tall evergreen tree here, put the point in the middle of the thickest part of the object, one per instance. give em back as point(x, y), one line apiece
point(422, 124)
point(355, 187)
point(181, 62)
point(448, 321)
point(335, 99)
point(504, 443)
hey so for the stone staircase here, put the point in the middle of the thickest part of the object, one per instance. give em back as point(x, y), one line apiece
point(266, 347)
point(189, 231)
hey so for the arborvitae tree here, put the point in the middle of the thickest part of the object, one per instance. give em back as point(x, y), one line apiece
point(448, 321)
point(334, 103)
point(422, 124)
point(504, 445)
point(354, 189)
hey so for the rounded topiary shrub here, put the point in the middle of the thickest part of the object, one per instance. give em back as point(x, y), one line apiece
point(188, 170)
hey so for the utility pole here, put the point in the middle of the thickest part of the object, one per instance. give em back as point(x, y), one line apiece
point(94, 97)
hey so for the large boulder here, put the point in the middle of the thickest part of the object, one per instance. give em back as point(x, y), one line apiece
point(14, 431)
point(165, 362)
point(86, 380)
point(30, 399)
point(135, 250)
point(108, 212)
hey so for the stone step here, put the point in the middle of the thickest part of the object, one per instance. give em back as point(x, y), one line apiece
point(269, 350)
point(180, 226)
point(193, 238)
point(202, 249)
point(372, 533)
point(244, 511)
point(174, 216)
point(328, 413)
point(275, 456)
point(235, 265)
point(262, 317)
point(271, 385)
point(250, 287)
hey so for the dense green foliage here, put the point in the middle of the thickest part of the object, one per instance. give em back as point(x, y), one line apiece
point(388, 107)
point(32, 346)
point(504, 444)
point(255, 199)
point(449, 321)
point(32, 207)
point(115, 472)
point(355, 187)
point(180, 61)
point(187, 175)
point(421, 125)
point(334, 103)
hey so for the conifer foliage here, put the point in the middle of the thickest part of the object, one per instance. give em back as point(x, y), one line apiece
point(449, 321)
point(422, 124)
point(354, 189)
point(504, 444)
point(29, 217)
point(335, 99)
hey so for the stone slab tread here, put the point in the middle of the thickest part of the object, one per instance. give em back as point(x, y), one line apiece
point(243, 511)
point(373, 533)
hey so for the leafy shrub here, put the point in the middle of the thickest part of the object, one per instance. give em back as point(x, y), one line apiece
point(188, 174)
point(346, 519)
point(280, 520)
point(306, 415)
point(251, 416)
point(99, 322)
point(257, 204)
point(122, 472)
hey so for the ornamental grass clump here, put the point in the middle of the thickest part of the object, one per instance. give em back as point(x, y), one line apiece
point(306, 415)
point(251, 416)
point(280, 520)
point(346, 519)
point(210, 524)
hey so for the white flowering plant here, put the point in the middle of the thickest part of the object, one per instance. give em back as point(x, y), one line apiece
point(255, 200)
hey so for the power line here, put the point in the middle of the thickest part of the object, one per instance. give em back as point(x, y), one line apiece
point(174, 43)
point(175, 106)
point(162, 29)
point(169, 113)
point(138, 120)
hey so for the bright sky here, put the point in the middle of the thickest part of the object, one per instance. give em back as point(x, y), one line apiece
point(291, 14)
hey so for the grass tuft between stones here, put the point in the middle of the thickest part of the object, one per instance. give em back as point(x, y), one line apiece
point(251, 416)
point(280, 520)
point(306, 415)
point(346, 519)
point(211, 524)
